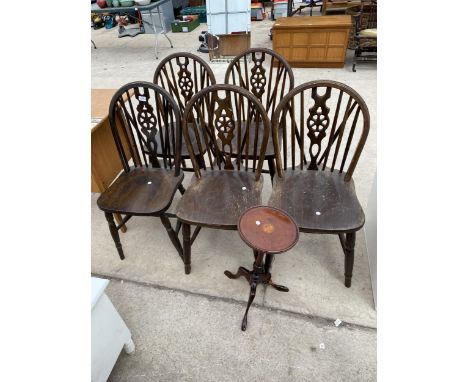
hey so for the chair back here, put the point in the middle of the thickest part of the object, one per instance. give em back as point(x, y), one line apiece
point(364, 15)
point(324, 126)
point(150, 120)
point(263, 72)
point(183, 75)
point(232, 124)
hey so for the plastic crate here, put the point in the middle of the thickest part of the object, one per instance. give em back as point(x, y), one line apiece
point(200, 11)
point(184, 26)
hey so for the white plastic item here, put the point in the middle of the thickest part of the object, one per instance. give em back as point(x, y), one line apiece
point(227, 16)
point(142, 2)
point(109, 334)
point(280, 10)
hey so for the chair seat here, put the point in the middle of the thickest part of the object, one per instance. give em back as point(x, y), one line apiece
point(372, 33)
point(319, 201)
point(131, 194)
point(217, 198)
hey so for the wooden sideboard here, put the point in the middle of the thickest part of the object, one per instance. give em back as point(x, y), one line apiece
point(313, 41)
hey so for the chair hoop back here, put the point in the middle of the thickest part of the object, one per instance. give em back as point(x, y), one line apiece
point(322, 123)
point(150, 126)
point(183, 75)
point(263, 72)
point(232, 124)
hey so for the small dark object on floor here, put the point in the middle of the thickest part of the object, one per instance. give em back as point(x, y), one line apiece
point(131, 32)
point(203, 38)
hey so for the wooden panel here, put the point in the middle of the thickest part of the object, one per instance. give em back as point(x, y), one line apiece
point(233, 44)
point(317, 54)
point(318, 38)
point(340, 37)
point(317, 22)
point(285, 52)
point(300, 39)
point(335, 54)
point(299, 53)
point(100, 100)
point(282, 38)
point(105, 160)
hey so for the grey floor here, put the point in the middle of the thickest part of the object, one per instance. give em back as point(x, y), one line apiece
point(187, 328)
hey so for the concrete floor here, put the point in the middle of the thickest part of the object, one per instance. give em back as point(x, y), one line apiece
point(187, 328)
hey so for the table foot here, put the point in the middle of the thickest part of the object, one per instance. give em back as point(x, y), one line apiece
point(240, 272)
point(253, 290)
point(280, 288)
point(255, 277)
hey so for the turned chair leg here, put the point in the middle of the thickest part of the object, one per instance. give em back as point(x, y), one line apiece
point(115, 234)
point(349, 257)
point(187, 247)
point(172, 235)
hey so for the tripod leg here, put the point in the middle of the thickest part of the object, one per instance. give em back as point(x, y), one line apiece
point(253, 290)
point(240, 272)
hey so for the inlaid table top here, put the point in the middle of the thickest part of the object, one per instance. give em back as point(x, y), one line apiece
point(268, 229)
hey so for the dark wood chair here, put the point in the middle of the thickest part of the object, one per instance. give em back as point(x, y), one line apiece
point(314, 182)
point(183, 75)
point(228, 182)
point(365, 32)
point(146, 188)
point(268, 76)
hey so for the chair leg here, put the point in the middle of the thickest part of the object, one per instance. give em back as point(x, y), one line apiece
point(200, 161)
point(178, 227)
point(349, 257)
point(172, 235)
point(181, 188)
point(187, 247)
point(115, 234)
point(271, 167)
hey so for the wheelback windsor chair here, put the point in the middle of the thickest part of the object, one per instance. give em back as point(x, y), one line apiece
point(269, 77)
point(153, 134)
point(365, 31)
point(314, 183)
point(183, 75)
point(229, 180)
